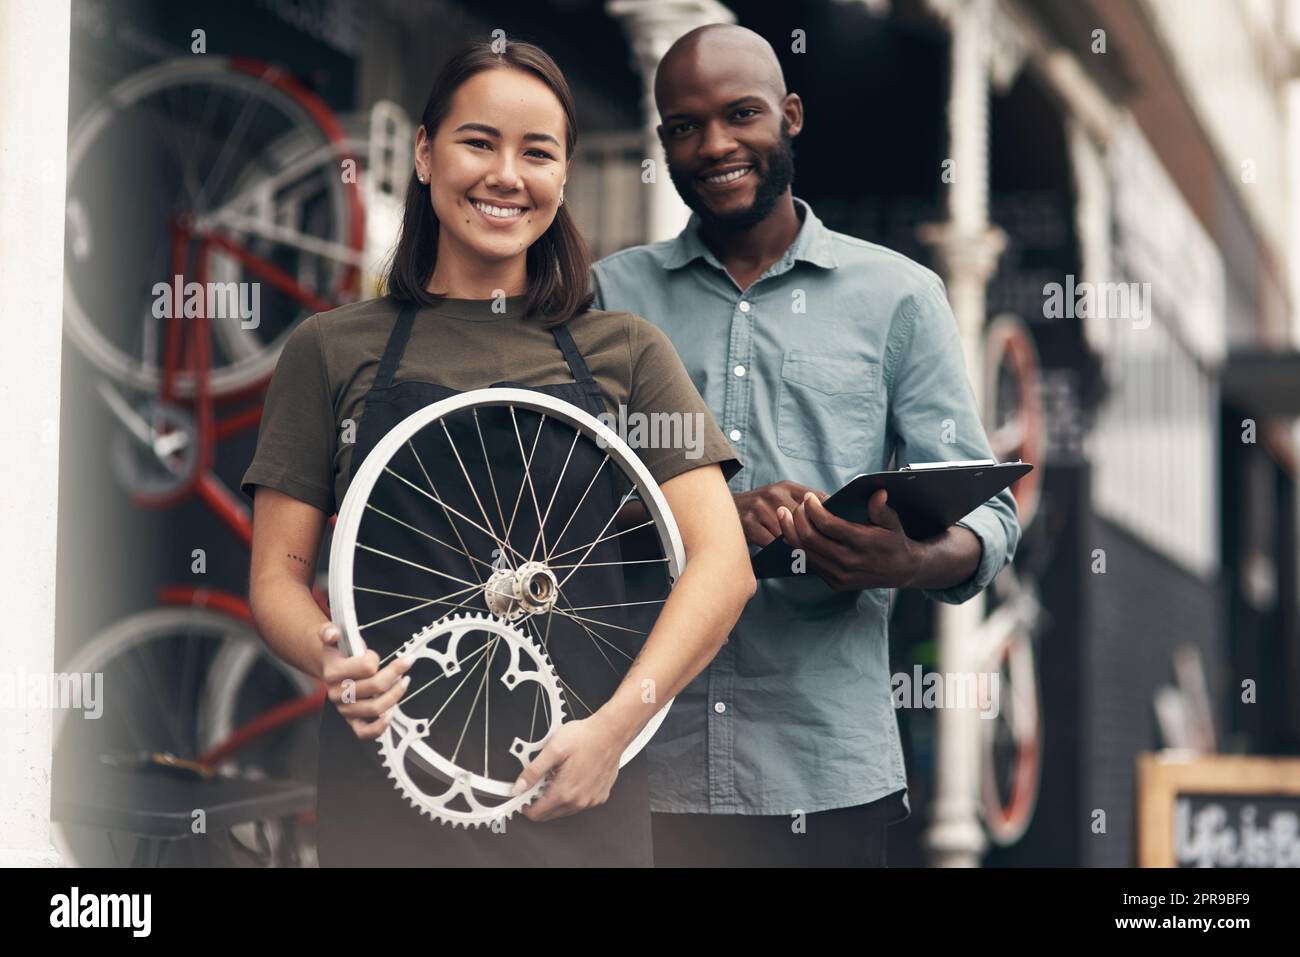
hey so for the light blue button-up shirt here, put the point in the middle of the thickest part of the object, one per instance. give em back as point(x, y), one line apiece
point(840, 357)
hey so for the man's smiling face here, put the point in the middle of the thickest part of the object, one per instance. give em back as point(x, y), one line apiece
point(726, 129)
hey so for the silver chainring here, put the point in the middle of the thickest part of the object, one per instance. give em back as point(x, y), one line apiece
point(468, 799)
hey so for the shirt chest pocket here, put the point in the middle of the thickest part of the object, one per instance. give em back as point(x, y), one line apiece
point(825, 406)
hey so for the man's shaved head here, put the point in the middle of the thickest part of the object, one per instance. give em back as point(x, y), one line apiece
point(714, 44)
point(726, 125)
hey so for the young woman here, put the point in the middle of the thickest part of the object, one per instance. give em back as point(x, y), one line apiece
point(488, 285)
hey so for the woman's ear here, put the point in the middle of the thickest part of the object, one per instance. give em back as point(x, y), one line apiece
point(422, 161)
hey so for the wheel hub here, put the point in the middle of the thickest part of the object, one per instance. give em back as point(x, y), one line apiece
point(529, 589)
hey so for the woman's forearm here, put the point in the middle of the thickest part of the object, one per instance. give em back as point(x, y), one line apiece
point(289, 619)
point(694, 623)
point(286, 537)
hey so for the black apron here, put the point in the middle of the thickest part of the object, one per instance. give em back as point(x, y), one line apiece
point(363, 820)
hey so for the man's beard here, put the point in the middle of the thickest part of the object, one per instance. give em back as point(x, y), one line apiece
point(779, 165)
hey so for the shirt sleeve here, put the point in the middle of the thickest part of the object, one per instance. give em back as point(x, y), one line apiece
point(935, 418)
point(678, 431)
point(296, 437)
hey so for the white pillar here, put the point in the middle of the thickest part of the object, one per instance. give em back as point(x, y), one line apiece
point(34, 42)
point(652, 26)
point(967, 249)
point(1290, 99)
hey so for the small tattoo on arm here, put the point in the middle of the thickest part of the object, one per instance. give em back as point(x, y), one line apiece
point(299, 558)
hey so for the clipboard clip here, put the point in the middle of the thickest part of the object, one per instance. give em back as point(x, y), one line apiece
point(959, 463)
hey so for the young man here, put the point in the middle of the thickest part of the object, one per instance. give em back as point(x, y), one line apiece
point(821, 356)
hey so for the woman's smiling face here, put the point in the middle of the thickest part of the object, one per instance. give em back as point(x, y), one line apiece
point(495, 166)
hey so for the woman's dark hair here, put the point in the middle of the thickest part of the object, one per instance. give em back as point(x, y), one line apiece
point(559, 263)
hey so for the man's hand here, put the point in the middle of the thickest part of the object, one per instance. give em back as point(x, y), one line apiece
point(850, 556)
point(758, 509)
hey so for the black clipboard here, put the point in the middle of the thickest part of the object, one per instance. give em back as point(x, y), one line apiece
point(929, 497)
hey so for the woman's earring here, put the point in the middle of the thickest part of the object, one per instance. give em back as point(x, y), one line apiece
point(420, 177)
point(561, 195)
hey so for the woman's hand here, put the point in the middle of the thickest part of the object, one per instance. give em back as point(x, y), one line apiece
point(362, 692)
point(582, 758)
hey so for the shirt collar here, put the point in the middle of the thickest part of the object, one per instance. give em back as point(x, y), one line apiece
point(482, 310)
point(812, 244)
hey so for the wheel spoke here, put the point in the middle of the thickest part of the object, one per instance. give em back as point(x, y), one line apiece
point(627, 561)
point(468, 482)
point(423, 604)
point(595, 475)
point(595, 641)
point(487, 461)
point(423, 568)
point(201, 133)
point(398, 594)
point(434, 538)
point(187, 684)
point(607, 538)
point(532, 727)
point(446, 509)
point(145, 670)
point(140, 733)
point(554, 493)
point(514, 513)
point(627, 497)
point(477, 653)
point(576, 697)
point(487, 673)
point(218, 169)
point(454, 511)
point(605, 624)
point(528, 477)
point(164, 125)
point(617, 604)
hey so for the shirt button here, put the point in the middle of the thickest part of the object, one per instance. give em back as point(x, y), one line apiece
point(739, 370)
point(719, 707)
point(735, 435)
point(744, 307)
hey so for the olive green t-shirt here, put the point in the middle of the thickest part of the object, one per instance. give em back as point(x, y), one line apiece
point(316, 400)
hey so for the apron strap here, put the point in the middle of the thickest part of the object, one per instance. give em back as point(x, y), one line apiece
point(396, 346)
point(401, 333)
point(577, 365)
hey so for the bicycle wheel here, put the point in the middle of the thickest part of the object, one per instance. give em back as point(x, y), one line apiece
point(168, 687)
point(223, 161)
point(240, 733)
point(1013, 406)
point(478, 588)
point(1012, 746)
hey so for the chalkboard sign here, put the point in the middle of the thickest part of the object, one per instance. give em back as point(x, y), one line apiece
point(1218, 811)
